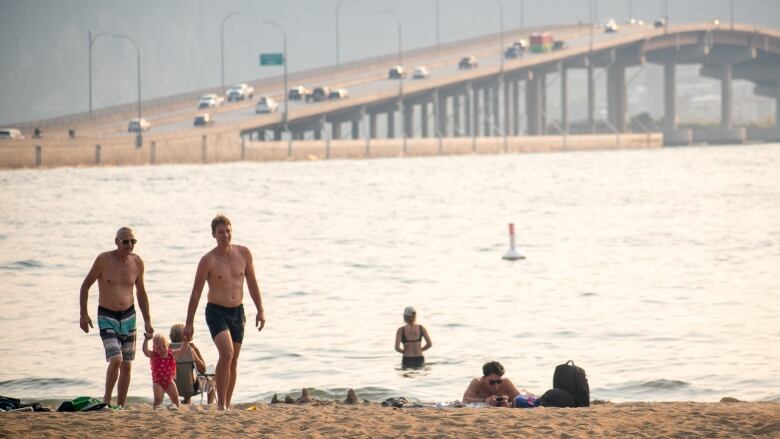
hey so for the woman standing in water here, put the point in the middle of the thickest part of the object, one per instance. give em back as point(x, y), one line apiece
point(410, 336)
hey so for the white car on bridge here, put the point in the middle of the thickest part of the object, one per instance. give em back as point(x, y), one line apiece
point(421, 72)
point(240, 92)
point(266, 105)
point(210, 100)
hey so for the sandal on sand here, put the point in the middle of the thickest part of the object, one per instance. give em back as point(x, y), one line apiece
point(397, 402)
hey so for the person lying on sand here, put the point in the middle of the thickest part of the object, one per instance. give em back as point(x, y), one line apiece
point(492, 389)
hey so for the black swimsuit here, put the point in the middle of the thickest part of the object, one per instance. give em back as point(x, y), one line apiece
point(412, 362)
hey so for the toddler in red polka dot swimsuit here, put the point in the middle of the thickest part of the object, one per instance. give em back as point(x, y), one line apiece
point(163, 369)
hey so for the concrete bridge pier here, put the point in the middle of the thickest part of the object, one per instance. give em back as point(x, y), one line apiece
point(483, 128)
point(391, 124)
point(564, 100)
point(278, 134)
point(372, 124)
point(543, 108)
point(456, 128)
point(726, 133)
point(591, 97)
point(726, 96)
point(617, 102)
point(408, 120)
point(424, 119)
point(777, 103)
point(534, 101)
point(497, 98)
point(468, 111)
point(356, 126)
point(672, 135)
point(515, 107)
point(335, 129)
point(440, 112)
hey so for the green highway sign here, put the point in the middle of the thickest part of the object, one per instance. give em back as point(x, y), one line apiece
point(271, 59)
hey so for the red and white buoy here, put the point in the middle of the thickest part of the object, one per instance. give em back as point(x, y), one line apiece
point(512, 254)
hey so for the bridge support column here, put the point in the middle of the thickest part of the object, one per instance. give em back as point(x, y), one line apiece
point(317, 133)
point(726, 133)
point(507, 101)
point(441, 113)
point(260, 134)
point(533, 104)
point(726, 96)
point(564, 100)
point(391, 124)
point(617, 97)
point(457, 129)
point(516, 108)
point(468, 112)
point(424, 118)
point(777, 102)
point(335, 129)
point(372, 125)
point(670, 96)
point(591, 98)
point(496, 108)
point(408, 120)
point(277, 134)
point(672, 135)
point(486, 107)
point(543, 105)
point(356, 127)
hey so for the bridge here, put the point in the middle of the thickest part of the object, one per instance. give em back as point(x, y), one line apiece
point(475, 103)
point(485, 101)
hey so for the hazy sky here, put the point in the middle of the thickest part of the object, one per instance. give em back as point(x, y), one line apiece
point(44, 44)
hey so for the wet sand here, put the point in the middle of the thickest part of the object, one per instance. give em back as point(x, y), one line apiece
point(330, 419)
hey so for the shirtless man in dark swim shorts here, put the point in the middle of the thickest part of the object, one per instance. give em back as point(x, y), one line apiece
point(116, 272)
point(224, 268)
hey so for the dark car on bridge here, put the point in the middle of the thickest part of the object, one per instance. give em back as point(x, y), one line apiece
point(396, 72)
point(467, 62)
point(319, 94)
point(298, 93)
point(513, 52)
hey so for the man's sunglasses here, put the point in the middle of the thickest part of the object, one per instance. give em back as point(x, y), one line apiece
point(129, 241)
point(494, 382)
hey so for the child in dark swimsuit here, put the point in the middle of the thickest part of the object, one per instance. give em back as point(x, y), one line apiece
point(411, 336)
point(163, 366)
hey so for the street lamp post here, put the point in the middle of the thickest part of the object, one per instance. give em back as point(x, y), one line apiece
point(401, 78)
point(501, 34)
point(522, 14)
point(732, 14)
point(91, 43)
point(138, 63)
point(437, 25)
point(338, 54)
point(284, 63)
point(222, 49)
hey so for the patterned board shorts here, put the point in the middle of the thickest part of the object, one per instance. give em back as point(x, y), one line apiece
point(117, 330)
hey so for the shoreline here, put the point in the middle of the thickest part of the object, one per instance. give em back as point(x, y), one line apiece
point(223, 148)
point(333, 419)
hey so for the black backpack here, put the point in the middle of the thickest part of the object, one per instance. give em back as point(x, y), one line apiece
point(557, 398)
point(572, 379)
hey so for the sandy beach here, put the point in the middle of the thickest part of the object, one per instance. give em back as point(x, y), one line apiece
point(331, 419)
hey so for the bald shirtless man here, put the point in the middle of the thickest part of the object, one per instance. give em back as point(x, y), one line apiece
point(116, 272)
point(224, 268)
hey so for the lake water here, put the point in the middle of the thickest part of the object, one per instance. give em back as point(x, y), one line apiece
point(657, 271)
